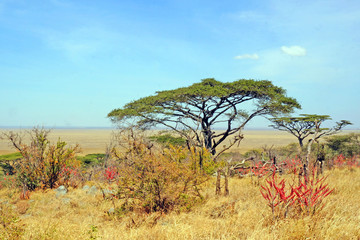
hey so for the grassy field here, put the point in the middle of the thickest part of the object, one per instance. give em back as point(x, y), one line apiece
point(91, 140)
point(242, 215)
point(96, 140)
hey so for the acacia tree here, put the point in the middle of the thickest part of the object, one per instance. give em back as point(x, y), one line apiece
point(194, 111)
point(307, 125)
point(301, 127)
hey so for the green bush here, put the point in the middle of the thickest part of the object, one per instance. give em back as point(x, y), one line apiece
point(168, 139)
point(347, 145)
point(7, 163)
point(10, 157)
point(92, 159)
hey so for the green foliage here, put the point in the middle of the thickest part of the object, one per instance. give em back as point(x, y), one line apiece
point(289, 151)
point(92, 159)
point(10, 157)
point(347, 145)
point(168, 139)
point(6, 163)
point(93, 232)
point(273, 97)
point(307, 125)
point(256, 153)
point(205, 105)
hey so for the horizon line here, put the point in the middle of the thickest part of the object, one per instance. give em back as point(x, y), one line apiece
point(114, 127)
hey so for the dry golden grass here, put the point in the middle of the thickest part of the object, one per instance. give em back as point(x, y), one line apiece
point(96, 140)
point(90, 140)
point(242, 215)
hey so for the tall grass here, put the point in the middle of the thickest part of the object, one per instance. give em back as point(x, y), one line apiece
point(242, 215)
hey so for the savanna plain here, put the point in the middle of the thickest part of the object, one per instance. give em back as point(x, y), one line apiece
point(100, 197)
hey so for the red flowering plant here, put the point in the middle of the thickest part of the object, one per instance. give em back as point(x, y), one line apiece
point(69, 175)
point(111, 174)
point(341, 161)
point(310, 193)
point(241, 172)
point(291, 165)
point(260, 169)
point(278, 195)
point(8, 181)
point(306, 197)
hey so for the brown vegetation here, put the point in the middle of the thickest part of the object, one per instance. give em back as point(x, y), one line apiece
point(242, 215)
point(145, 191)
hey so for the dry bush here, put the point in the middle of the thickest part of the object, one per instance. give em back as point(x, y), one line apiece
point(42, 164)
point(154, 179)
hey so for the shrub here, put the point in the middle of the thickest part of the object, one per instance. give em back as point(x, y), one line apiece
point(347, 145)
point(289, 151)
point(168, 139)
point(42, 163)
point(152, 180)
point(92, 159)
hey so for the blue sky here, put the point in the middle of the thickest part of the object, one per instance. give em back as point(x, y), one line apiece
point(69, 63)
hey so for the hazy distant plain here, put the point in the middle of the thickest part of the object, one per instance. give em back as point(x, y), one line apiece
point(96, 140)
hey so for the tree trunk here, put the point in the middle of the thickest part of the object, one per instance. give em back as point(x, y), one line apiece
point(307, 160)
point(207, 142)
point(218, 186)
point(301, 142)
point(226, 193)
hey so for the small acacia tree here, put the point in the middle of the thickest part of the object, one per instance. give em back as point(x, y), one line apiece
point(307, 125)
point(301, 127)
point(194, 111)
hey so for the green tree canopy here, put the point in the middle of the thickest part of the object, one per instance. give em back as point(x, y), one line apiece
point(306, 124)
point(205, 105)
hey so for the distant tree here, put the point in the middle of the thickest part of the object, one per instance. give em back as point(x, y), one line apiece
point(307, 125)
point(301, 127)
point(194, 111)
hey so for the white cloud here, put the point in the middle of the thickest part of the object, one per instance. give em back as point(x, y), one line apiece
point(247, 56)
point(294, 50)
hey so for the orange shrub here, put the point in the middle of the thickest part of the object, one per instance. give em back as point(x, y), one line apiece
point(42, 162)
point(152, 180)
